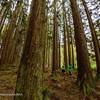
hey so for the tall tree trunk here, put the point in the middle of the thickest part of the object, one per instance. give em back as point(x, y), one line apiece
point(3, 15)
point(55, 42)
point(59, 52)
point(85, 77)
point(71, 40)
point(72, 47)
point(65, 37)
point(30, 74)
point(94, 38)
point(68, 40)
point(45, 41)
point(8, 41)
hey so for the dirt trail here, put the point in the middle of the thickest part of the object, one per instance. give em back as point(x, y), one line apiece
point(63, 88)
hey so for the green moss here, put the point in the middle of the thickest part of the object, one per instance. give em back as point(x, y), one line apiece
point(46, 93)
point(87, 89)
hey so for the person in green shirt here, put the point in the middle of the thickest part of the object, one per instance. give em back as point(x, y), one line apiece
point(70, 69)
point(63, 69)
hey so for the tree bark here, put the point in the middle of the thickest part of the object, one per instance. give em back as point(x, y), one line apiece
point(85, 77)
point(30, 74)
point(55, 42)
point(65, 37)
point(94, 38)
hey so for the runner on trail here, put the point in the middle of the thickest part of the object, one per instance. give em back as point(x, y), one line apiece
point(63, 69)
point(70, 69)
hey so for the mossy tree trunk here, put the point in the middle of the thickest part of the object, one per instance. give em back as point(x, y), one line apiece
point(30, 74)
point(85, 77)
point(55, 63)
point(94, 38)
point(8, 40)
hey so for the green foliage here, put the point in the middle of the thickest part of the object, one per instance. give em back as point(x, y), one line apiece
point(93, 65)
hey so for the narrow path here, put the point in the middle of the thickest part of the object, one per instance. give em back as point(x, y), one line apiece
point(63, 88)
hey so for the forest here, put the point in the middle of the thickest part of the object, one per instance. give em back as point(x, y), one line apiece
point(49, 49)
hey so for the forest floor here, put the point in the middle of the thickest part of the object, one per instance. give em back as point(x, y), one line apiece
point(63, 88)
